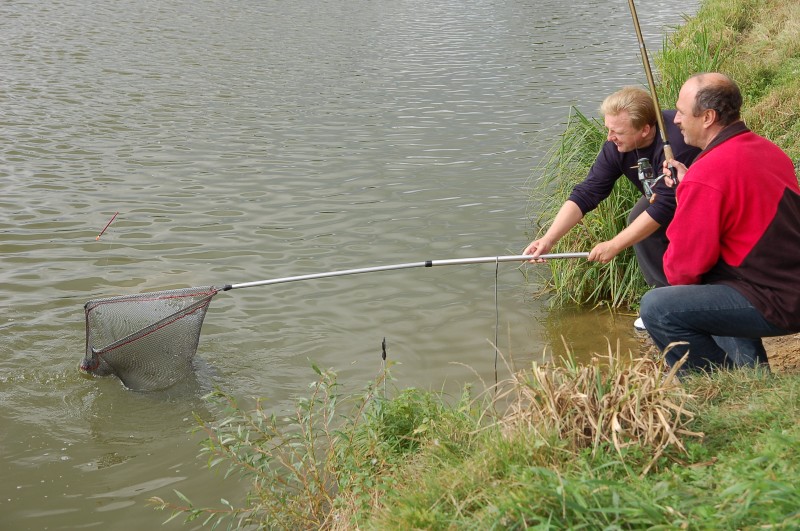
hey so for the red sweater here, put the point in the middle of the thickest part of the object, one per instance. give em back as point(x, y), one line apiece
point(738, 223)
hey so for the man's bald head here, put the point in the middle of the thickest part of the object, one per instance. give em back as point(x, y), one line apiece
point(716, 92)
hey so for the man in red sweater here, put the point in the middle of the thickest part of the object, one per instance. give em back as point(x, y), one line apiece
point(733, 261)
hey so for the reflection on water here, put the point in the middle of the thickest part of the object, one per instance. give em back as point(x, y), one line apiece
point(585, 333)
point(259, 139)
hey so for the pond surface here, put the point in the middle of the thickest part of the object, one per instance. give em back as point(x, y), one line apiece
point(259, 139)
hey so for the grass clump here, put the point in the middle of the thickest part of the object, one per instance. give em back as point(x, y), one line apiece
point(622, 403)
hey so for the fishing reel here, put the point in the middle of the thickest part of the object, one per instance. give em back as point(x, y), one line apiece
point(648, 178)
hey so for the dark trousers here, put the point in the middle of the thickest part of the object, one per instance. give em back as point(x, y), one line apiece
point(650, 251)
point(735, 350)
point(716, 324)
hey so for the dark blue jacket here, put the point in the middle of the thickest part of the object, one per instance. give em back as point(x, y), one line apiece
point(611, 165)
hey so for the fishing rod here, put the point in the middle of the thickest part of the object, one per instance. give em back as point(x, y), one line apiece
point(392, 267)
point(668, 155)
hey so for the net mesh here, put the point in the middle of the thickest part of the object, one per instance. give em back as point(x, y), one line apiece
point(148, 340)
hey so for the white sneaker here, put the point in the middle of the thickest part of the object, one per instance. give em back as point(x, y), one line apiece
point(638, 324)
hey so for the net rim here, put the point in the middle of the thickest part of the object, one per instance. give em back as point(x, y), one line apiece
point(158, 325)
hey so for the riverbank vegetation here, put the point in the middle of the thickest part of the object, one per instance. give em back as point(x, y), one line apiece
point(617, 443)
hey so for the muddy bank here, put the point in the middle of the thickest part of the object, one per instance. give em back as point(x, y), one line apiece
point(783, 352)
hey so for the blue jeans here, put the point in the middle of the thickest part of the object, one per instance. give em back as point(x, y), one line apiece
point(720, 326)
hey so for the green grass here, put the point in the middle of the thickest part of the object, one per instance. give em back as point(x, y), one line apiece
point(614, 444)
point(741, 475)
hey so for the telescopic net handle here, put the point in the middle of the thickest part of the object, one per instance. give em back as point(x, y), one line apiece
point(426, 263)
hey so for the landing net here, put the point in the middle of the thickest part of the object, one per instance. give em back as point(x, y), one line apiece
point(148, 340)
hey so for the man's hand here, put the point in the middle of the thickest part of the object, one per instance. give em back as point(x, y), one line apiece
point(568, 216)
point(537, 248)
point(678, 167)
point(604, 252)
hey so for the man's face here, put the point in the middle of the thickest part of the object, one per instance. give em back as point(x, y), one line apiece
point(691, 126)
point(622, 133)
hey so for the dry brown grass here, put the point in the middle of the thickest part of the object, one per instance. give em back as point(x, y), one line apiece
point(774, 35)
point(614, 400)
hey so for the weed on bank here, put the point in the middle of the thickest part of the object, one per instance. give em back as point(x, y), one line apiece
point(617, 443)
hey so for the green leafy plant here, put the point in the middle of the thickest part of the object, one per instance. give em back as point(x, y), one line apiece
point(326, 464)
point(286, 460)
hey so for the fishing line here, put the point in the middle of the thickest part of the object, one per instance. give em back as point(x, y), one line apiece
point(496, 320)
point(97, 238)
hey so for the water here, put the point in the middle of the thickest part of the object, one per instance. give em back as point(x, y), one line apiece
point(259, 139)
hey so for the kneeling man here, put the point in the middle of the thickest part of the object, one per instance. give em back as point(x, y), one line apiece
point(733, 261)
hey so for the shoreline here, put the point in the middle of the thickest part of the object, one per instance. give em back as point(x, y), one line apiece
point(783, 352)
